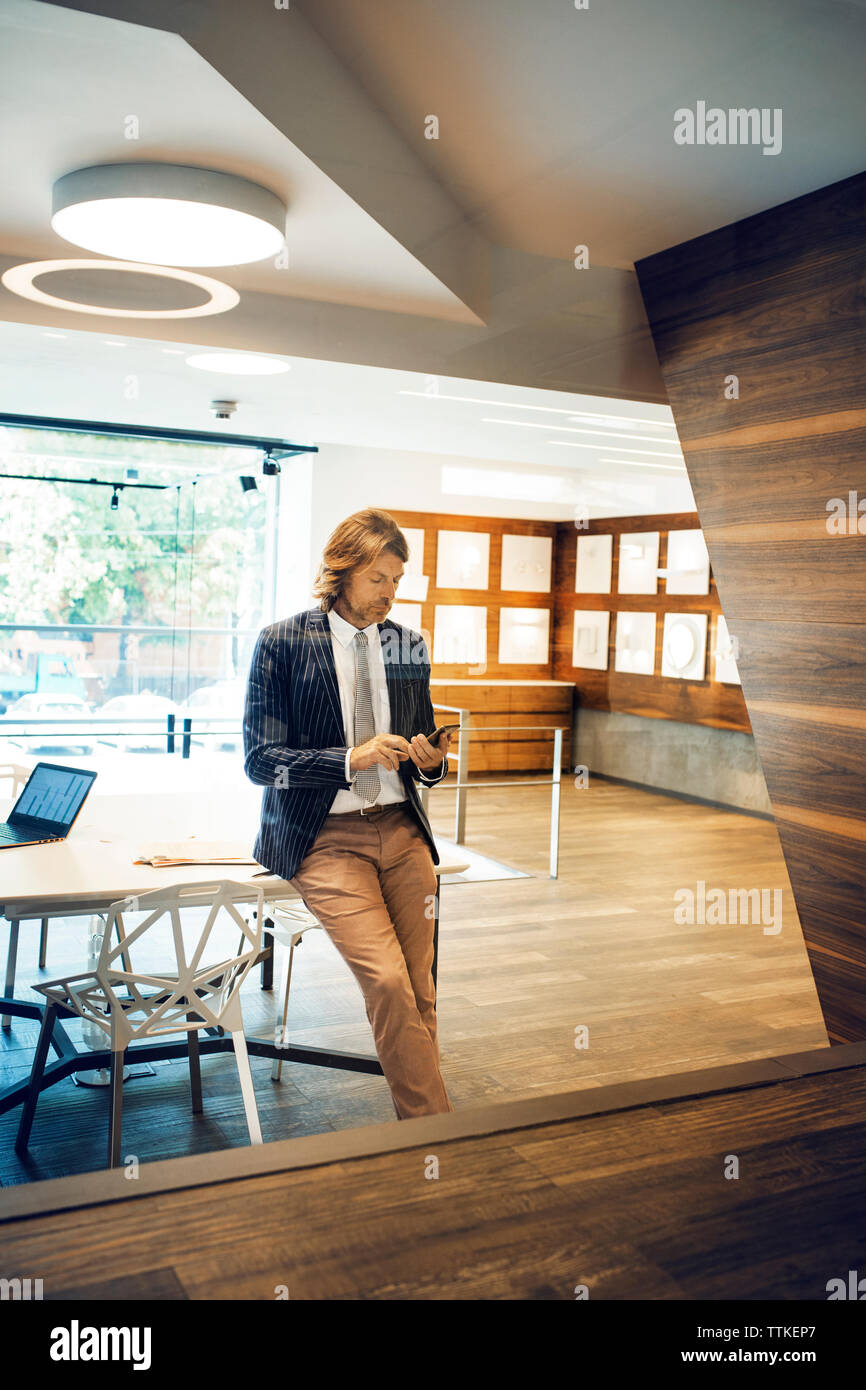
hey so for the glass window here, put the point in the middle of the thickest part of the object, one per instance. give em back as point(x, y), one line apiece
point(123, 603)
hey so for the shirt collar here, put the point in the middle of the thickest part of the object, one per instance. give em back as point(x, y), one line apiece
point(345, 632)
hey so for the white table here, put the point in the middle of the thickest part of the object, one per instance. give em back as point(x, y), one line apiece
point(93, 868)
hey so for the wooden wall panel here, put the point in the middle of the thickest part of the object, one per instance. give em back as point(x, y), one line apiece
point(493, 598)
point(707, 701)
point(498, 705)
point(778, 302)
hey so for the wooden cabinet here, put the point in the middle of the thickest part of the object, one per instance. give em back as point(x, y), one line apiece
point(521, 705)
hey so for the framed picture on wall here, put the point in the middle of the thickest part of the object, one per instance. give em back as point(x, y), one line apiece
point(594, 564)
point(460, 634)
point(684, 651)
point(407, 614)
point(590, 640)
point(635, 643)
point(526, 563)
point(688, 566)
point(415, 540)
point(524, 635)
point(463, 560)
point(638, 562)
point(413, 585)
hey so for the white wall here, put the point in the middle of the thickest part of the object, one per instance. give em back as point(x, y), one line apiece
point(320, 490)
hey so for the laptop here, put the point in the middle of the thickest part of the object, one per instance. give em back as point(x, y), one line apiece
point(48, 805)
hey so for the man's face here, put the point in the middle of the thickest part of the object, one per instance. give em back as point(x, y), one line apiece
point(367, 596)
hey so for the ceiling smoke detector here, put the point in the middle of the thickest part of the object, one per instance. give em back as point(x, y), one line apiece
point(223, 410)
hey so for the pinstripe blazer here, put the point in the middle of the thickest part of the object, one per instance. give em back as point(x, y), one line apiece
point(294, 739)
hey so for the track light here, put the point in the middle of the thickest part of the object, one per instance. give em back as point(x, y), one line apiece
point(270, 466)
point(115, 499)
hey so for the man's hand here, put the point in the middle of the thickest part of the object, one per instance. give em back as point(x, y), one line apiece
point(382, 750)
point(426, 755)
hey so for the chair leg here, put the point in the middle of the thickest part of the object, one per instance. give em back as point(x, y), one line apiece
point(121, 936)
point(40, 1057)
point(115, 1116)
point(277, 1068)
point(194, 1068)
point(43, 942)
point(267, 966)
point(11, 962)
point(246, 1079)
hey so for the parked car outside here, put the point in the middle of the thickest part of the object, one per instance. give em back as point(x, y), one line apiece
point(224, 702)
point(56, 737)
point(145, 737)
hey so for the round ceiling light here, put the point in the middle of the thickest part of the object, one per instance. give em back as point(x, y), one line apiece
point(237, 363)
point(168, 214)
point(214, 296)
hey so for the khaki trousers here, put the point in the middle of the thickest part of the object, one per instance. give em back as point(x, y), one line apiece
point(370, 881)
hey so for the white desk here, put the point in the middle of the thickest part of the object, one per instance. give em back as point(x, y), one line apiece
point(94, 868)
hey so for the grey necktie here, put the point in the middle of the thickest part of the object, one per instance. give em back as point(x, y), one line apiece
point(366, 784)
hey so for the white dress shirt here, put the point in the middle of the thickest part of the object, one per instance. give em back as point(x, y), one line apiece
point(342, 636)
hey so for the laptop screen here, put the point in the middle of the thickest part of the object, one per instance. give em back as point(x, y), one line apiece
point(53, 796)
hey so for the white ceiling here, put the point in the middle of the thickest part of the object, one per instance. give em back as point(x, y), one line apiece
point(108, 377)
point(69, 83)
point(556, 124)
point(409, 255)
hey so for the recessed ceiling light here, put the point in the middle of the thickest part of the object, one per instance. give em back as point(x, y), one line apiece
point(575, 429)
point(237, 363)
point(112, 342)
point(549, 409)
point(635, 463)
point(19, 279)
point(611, 448)
point(168, 214)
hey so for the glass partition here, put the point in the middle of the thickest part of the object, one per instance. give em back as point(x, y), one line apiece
point(134, 578)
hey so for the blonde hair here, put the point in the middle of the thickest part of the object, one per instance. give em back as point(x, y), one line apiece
point(356, 544)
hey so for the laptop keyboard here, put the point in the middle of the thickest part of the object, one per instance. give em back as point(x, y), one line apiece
point(10, 836)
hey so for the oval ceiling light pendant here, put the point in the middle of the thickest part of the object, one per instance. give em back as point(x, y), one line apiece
point(168, 214)
point(237, 363)
point(214, 297)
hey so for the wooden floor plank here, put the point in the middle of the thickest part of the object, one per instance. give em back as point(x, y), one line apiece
point(522, 964)
point(634, 1204)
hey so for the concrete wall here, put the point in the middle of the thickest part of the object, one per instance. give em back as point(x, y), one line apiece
point(716, 764)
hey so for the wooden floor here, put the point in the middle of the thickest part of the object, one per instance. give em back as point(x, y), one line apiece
point(634, 1204)
point(523, 964)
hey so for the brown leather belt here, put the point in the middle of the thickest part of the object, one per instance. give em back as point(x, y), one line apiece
point(372, 813)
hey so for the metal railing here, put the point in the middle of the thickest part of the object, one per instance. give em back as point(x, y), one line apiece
point(462, 786)
point(216, 726)
point(41, 728)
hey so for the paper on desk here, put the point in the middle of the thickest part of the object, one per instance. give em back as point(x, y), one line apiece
point(167, 854)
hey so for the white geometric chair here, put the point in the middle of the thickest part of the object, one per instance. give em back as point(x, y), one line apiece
point(193, 992)
point(291, 919)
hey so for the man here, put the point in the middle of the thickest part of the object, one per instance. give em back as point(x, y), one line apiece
point(337, 712)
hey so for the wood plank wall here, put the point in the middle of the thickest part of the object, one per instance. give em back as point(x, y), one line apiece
point(493, 598)
point(519, 708)
point(778, 302)
point(491, 702)
point(707, 701)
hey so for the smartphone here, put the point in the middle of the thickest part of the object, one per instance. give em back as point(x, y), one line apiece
point(442, 729)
